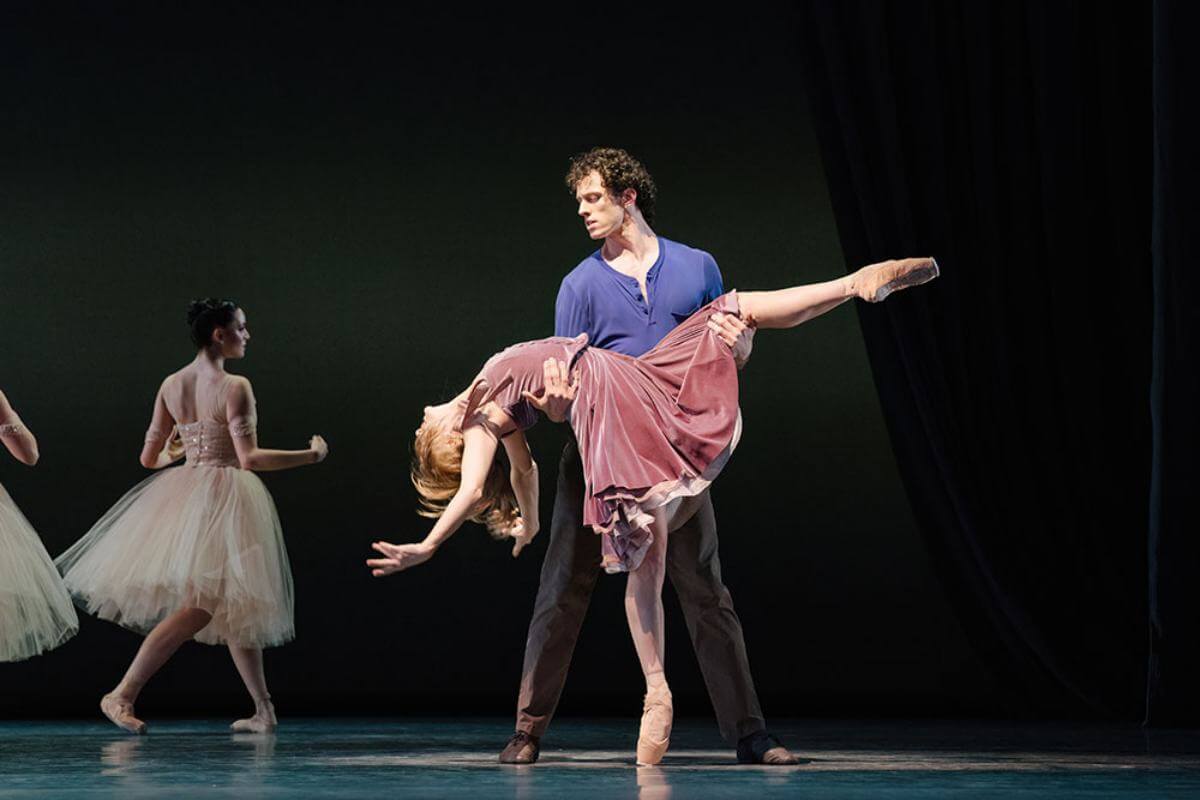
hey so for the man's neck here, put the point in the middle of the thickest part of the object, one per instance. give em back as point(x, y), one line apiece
point(634, 243)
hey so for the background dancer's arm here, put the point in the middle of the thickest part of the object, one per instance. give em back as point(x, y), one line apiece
point(479, 449)
point(16, 437)
point(523, 473)
point(241, 412)
point(157, 449)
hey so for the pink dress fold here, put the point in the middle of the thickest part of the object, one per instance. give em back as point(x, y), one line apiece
point(650, 429)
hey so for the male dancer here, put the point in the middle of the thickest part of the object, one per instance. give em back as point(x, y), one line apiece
point(627, 296)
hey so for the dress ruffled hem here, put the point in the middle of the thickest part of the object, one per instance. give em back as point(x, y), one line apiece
point(627, 534)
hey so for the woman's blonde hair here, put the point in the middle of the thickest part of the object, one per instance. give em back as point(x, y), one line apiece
point(437, 474)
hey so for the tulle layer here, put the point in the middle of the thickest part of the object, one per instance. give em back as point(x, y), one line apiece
point(189, 537)
point(36, 614)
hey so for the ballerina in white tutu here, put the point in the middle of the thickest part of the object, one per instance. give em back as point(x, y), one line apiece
point(196, 552)
point(36, 614)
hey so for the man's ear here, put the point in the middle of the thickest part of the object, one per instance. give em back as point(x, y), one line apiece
point(629, 197)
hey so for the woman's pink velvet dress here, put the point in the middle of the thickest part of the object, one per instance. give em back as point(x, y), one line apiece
point(650, 429)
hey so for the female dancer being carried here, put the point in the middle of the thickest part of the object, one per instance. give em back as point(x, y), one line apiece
point(652, 432)
point(35, 610)
point(196, 551)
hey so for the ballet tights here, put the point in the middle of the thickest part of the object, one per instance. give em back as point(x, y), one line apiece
point(644, 606)
point(158, 647)
point(168, 636)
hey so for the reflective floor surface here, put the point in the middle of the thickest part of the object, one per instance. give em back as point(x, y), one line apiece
point(457, 758)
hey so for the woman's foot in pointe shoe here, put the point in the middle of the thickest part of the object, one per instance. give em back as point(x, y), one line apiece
point(655, 734)
point(875, 282)
point(263, 720)
point(120, 713)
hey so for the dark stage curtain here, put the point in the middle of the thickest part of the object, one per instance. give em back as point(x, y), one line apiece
point(1174, 674)
point(1012, 140)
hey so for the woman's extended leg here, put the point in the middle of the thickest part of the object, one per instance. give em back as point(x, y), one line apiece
point(156, 649)
point(644, 610)
point(249, 662)
point(787, 308)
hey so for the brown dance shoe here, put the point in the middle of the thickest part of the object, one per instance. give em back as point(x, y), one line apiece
point(522, 748)
point(875, 282)
point(763, 748)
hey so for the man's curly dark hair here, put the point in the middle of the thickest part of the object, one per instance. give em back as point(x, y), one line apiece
point(619, 171)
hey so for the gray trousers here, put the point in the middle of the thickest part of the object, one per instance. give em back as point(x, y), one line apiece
point(569, 573)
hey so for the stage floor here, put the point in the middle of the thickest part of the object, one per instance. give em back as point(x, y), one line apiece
point(457, 758)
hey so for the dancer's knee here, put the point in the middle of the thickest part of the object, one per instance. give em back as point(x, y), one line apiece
point(193, 620)
point(649, 575)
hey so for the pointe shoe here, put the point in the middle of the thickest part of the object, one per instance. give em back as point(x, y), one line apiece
point(120, 713)
point(875, 282)
point(263, 721)
point(654, 736)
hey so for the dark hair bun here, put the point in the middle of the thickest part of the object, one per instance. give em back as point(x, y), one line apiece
point(195, 309)
point(206, 315)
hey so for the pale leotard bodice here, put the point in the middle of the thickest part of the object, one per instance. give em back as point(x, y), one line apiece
point(208, 444)
point(208, 441)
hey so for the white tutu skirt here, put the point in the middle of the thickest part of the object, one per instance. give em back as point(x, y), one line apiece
point(36, 614)
point(189, 537)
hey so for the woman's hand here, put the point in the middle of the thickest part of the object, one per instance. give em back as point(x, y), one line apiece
point(319, 448)
point(521, 535)
point(398, 557)
point(174, 449)
point(560, 392)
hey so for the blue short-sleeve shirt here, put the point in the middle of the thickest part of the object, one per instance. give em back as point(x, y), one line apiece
point(608, 306)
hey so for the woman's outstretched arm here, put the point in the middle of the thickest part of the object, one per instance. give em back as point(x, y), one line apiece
point(241, 411)
point(523, 474)
point(479, 449)
point(18, 439)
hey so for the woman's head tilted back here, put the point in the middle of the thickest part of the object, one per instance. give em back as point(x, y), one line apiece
point(437, 472)
point(219, 323)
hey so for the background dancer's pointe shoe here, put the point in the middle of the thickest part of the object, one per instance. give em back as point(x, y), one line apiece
point(120, 713)
point(522, 748)
point(655, 734)
point(263, 721)
point(875, 282)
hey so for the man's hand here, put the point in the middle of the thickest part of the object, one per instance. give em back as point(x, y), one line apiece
point(556, 401)
point(398, 557)
point(735, 333)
